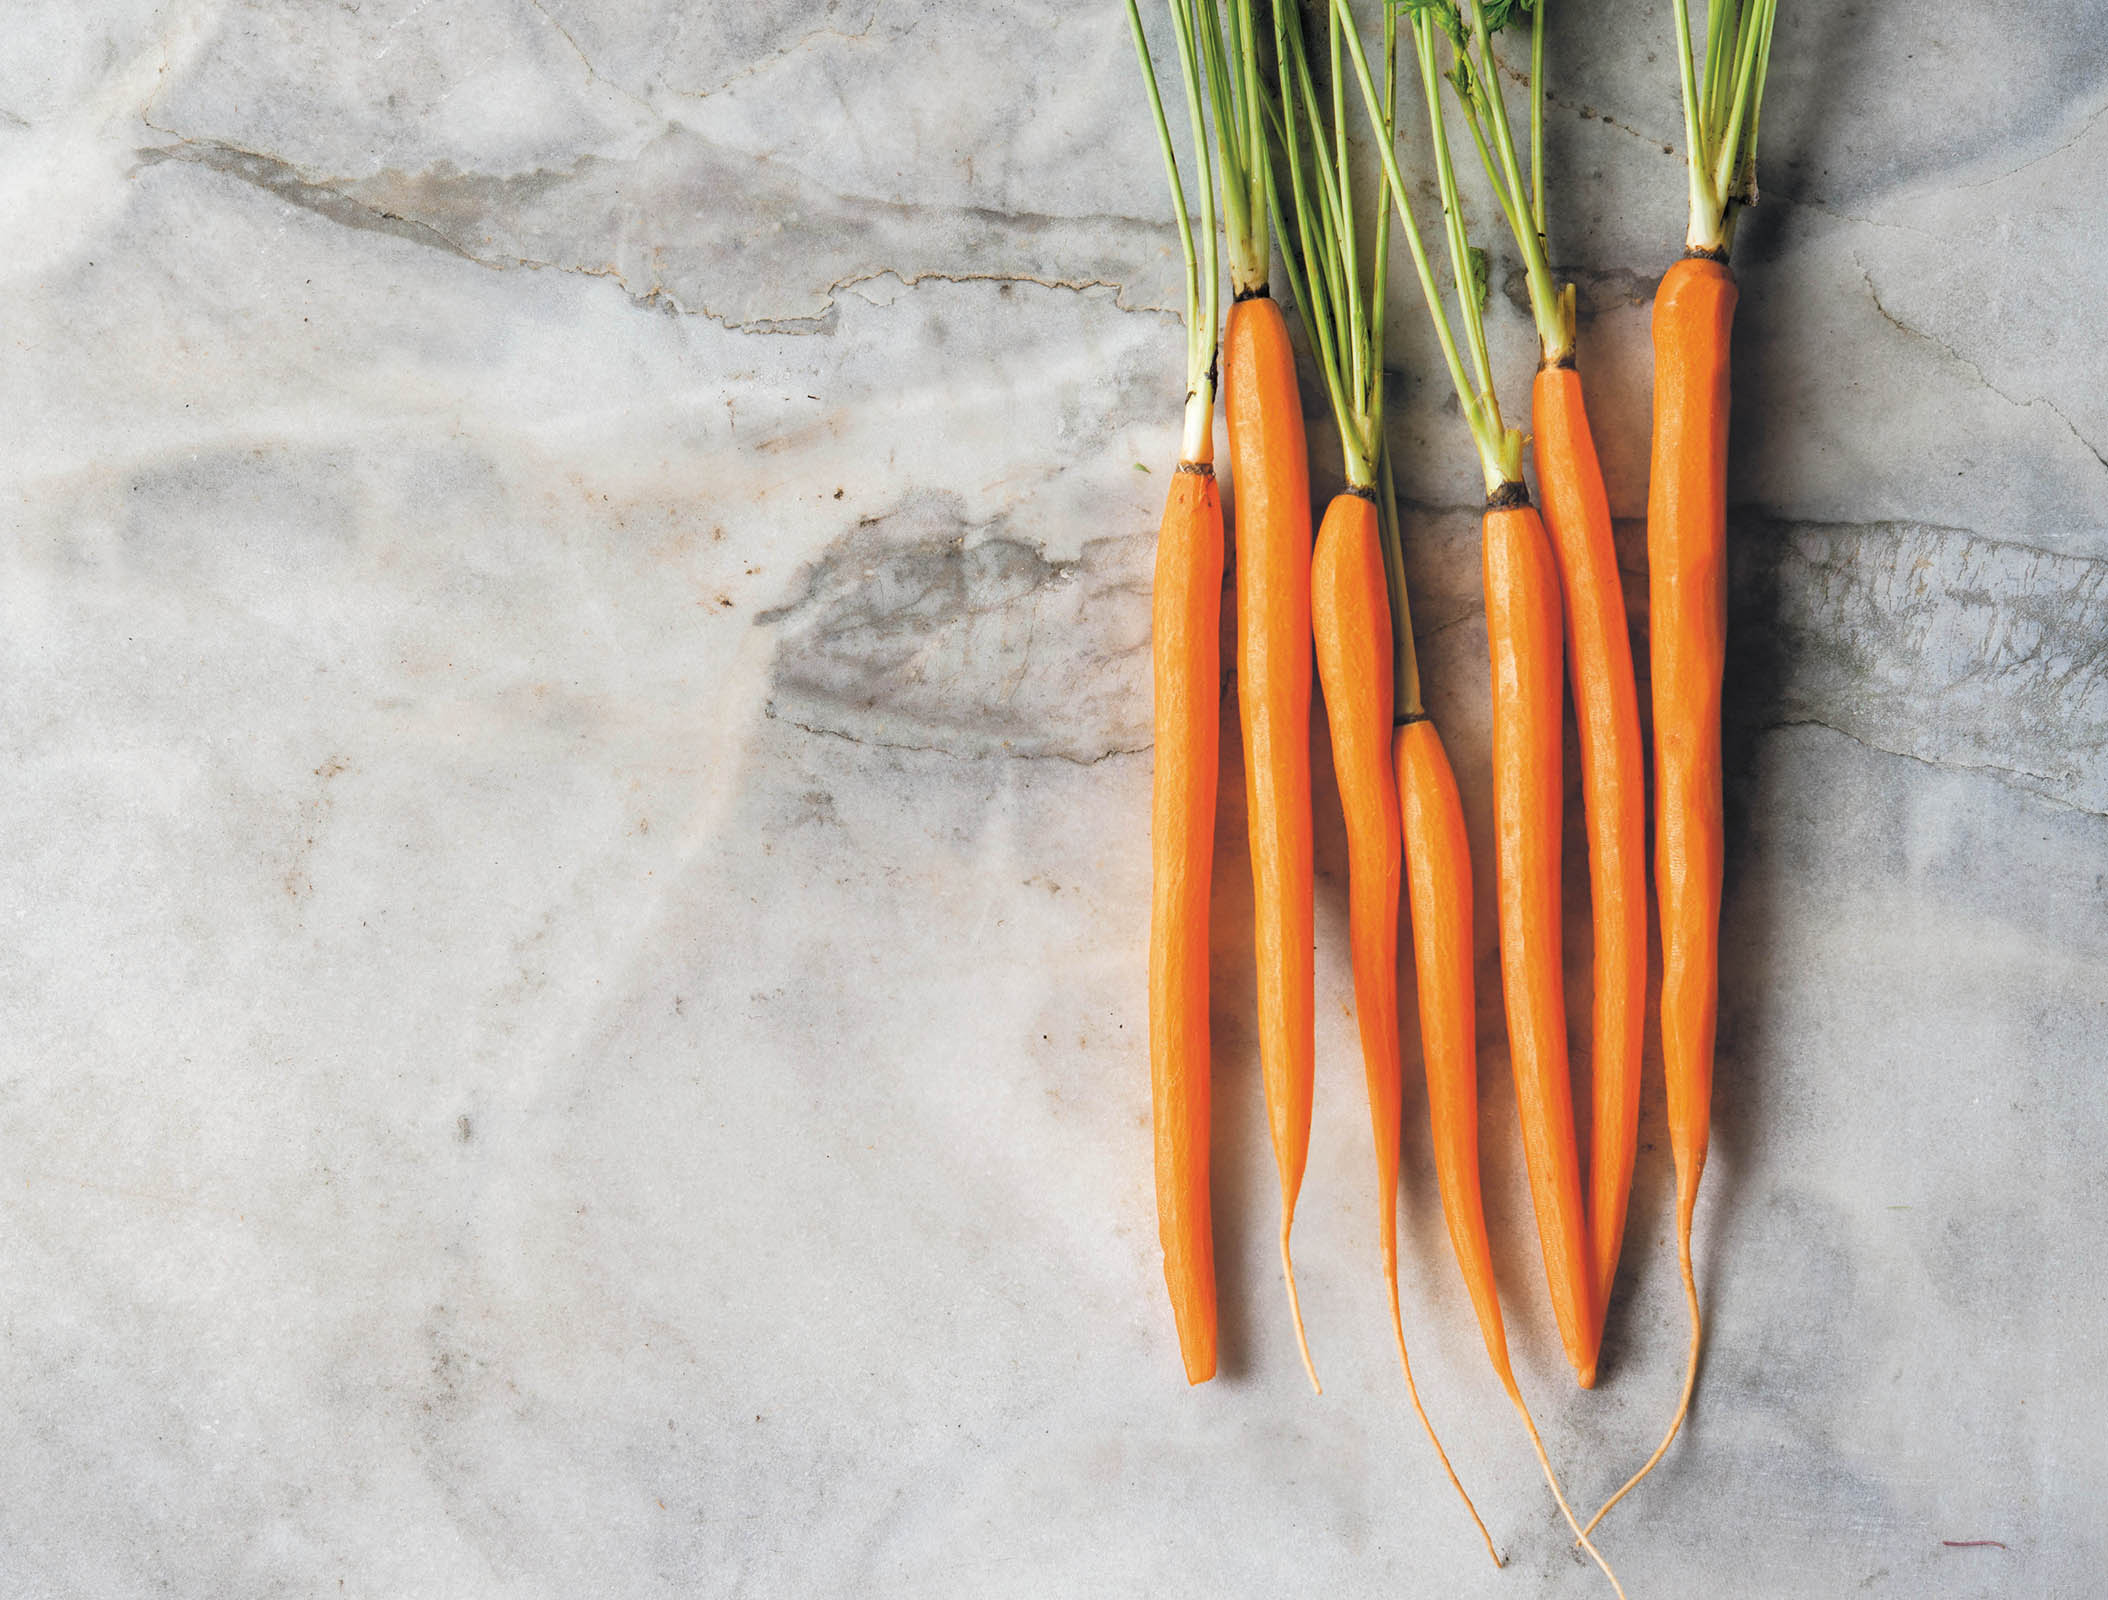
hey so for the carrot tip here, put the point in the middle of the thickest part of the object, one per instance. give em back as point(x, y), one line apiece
point(1295, 1309)
point(1586, 1376)
point(1551, 1479)
point(1690, 1375)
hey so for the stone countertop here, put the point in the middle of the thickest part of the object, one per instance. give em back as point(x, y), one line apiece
point(573, 678)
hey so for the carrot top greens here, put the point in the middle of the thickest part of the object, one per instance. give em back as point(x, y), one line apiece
point(1720, 106)
point(1499, 446)
point(1474, 74)
point(1343, 312)
point(1240, 134)
point(1199, 441)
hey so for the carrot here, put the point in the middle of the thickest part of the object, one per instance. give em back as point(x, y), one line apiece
point(1607, 712)
point(1522, 610)
point(1185, 651)
point(1523, 639)
point(1357, 589)
point(1270, 470)
point(1687, 596)
point(1438, 854)
point(1599, 645)
point(1352, 620)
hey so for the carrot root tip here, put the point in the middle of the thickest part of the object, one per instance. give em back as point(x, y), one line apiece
point(1295, 1309)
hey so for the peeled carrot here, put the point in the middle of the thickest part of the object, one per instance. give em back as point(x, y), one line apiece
point(1607, 713)
point(1599, 650)
point(1185, 649)
point(1185, 644)
point(1438, 868)
point(1351, 618)
point(1694, 313)
point(1523, 639)
point(1271, 470)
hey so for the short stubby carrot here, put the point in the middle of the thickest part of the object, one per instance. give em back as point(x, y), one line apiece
point(1607, 715)
point(1523, 639)
point(1186, 651)
point(1270, 470)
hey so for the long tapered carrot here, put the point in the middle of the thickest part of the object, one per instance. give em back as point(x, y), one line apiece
point(1607, 713)
point(1185, 648)
point(1523, 638)
point(1351, 619)
point(1694, 312)
point(1271, 469)
point(1438, 870)
point(1599, 648)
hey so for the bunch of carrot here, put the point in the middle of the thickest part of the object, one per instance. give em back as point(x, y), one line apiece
point(1279, 158)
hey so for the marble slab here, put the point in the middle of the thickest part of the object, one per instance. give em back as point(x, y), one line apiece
point(574, 748)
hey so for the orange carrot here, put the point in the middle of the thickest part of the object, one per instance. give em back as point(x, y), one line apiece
point(1351, 619)
point(1185, 650)
point(1185, 647)
point(1438, 864)
point(1599, 649)
point(1694, 313)
point(1271, 470)
point(1523, 638)
point(1607, 712)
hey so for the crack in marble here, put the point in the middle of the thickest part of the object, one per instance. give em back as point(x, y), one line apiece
point(1962, 652)
point(2005, 775)
point(1976, 371)
point(592, 72)
point(2092, 118)
point(801, 42)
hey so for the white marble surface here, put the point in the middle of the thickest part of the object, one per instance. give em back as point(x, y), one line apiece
point(573, 717)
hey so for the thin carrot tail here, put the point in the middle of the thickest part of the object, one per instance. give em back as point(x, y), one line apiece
point(1295, 1305)
point(1441, 1455)
point(1690, 1374)
point(1552, 1480)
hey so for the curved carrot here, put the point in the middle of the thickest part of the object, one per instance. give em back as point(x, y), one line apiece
point(1438, 870)
point(1607, 712)
point(1438, 873)
point(1271, 471)
point(1186, 649)
point(1351, 622)
point(1694, 314)
point(1523, 638)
